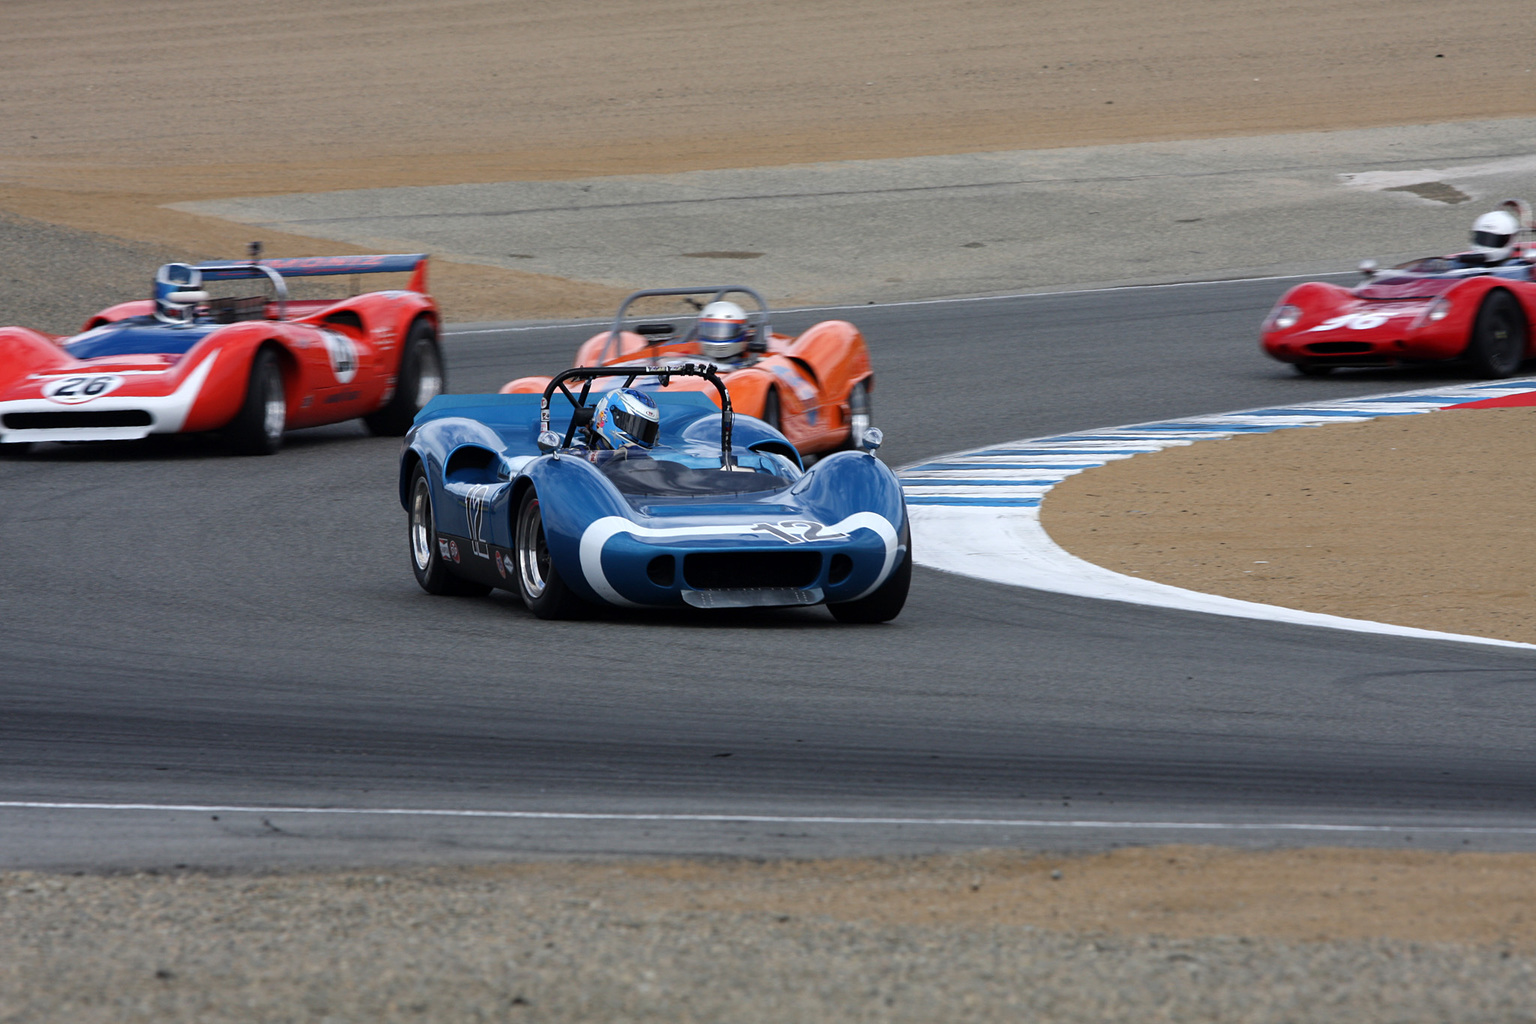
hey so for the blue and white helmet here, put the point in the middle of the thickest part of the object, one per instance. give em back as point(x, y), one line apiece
point(178, 290)
point(626, 418)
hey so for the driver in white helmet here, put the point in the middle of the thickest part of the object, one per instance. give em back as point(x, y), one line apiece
point(1495, 237)
point(723, 332)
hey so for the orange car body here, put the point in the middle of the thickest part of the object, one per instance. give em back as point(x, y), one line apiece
point(809, 386)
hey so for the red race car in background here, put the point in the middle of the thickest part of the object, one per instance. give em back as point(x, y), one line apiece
point(250, 366)
point(1476, 305)
point(813, 388)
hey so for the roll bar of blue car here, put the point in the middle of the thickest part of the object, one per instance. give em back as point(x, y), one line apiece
point(582, 414)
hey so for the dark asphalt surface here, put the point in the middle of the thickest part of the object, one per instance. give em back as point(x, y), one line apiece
point(180, 627)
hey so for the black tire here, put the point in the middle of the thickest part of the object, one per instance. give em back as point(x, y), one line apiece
point(427, 562)
point(257, 428)
point(421, 378)
point(887, 600)
point(771, 411)
point(1498, 340)
point(539, 583)
point(1314, 369)
point(861, 412)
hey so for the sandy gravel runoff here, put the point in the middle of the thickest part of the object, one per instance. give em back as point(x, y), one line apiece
point(1415, 520)
point(1177, 934)
point(112, 111)
point(108, 117)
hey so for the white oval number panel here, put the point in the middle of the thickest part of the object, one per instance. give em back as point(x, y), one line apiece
point(343, 352)
point(81, 388)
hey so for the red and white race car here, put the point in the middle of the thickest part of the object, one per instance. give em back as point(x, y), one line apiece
point(1465, 306)
point(250, 366)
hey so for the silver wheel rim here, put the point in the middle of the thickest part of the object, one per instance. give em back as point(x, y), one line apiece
point(532, 551)
point(421, 525)
point(275, 408)
point(429, 380)
point(859, 417)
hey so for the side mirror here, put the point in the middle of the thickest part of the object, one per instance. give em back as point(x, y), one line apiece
point(872, 438)
point(1368, 269)
point(548, 441)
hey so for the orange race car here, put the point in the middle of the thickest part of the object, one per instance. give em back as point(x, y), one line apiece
point(814, 388)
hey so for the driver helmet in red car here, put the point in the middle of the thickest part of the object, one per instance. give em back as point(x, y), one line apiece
point(1494, 235)
point(626, 418)
point(178, 290)
point(722, 330)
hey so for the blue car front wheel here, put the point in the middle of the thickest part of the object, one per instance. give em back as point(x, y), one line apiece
point(543, 589)
point(888, 599)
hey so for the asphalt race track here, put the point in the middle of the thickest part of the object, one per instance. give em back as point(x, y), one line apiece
point(232, 653)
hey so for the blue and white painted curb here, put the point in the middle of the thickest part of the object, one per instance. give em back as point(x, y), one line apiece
point(977, 512)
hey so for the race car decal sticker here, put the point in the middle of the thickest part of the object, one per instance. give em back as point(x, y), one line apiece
point(602, 530)
point(803, 389)
point(343, 353)
point(1355, 321)
point(442, 548)
point(501, 564)
point(81, 388)
point(797, 531)
point(477, 501)
point(453, 551)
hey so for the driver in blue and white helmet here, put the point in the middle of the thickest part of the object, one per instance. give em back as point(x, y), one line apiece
point(626, 419)
point(723, 331)
point(178, 290)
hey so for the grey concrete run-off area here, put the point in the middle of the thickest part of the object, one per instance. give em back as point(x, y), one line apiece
point(884, 230)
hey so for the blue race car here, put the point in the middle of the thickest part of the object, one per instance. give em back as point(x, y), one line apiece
point(711, 510)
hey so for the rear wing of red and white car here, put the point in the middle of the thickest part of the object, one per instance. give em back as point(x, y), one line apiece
point(414, 264)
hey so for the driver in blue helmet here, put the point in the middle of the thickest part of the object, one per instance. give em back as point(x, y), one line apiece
point(178, 290)
point(625, 420)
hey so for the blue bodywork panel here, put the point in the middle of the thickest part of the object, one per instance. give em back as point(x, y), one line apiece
point(663, 527)
point(137, 336)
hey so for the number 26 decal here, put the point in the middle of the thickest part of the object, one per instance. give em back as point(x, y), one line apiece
point(74, 390)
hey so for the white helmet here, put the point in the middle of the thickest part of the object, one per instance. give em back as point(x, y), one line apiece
point(722, 330)
point(1493, 235)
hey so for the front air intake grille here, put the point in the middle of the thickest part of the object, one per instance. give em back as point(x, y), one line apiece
point(742, 570)
point(1341, 348)
point(83, 419)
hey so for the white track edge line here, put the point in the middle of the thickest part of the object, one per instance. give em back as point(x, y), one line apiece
point(779, 819)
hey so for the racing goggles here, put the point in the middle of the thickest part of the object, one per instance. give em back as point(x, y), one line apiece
point(722, 330)
point(1489, 240)
point(642, 428)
